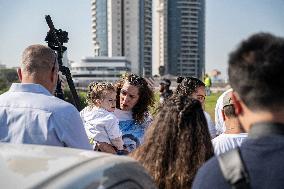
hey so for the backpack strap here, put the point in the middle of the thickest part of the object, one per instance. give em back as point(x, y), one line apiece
point(233, 169)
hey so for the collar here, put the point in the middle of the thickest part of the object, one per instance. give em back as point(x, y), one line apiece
point(29, 87)
point(123, 115)
point(262, 129)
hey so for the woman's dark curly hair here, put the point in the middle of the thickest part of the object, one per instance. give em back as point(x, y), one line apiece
point(188, 85)
point(176, 144)
point(146, 95)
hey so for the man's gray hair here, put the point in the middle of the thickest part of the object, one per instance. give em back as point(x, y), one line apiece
point(37, 59)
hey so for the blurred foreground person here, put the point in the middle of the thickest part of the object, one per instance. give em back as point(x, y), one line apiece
point(256, 70)
point(29, 113)
point(234, 134)
point(176, 144)
point(195, 88)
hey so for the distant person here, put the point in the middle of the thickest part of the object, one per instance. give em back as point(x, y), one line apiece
point(219, 120)
point(234, 134)
point(30, 114)
point(165, 91)
point(256, 70)
point(134, 98)
point(195, 88)
point(208, 84)
point(176, 144)
point(100, 123)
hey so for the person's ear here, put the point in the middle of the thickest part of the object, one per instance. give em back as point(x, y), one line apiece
point(54, 75)
point(19, 72)
point(98, 101)
point(237, 104)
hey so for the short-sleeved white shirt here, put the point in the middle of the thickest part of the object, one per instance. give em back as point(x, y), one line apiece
point(100, 125)
point(226, 142)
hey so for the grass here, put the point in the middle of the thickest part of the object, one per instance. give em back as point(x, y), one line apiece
point(210, 103)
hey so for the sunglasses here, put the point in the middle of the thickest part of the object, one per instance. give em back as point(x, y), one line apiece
point(136, 80)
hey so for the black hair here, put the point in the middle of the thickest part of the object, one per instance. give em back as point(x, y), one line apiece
point(256, 70)
point(229, 111)
point(188, 85)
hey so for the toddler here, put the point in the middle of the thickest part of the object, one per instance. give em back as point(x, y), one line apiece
point(100, 123)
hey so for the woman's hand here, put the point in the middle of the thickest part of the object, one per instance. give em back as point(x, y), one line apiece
point(105, 147)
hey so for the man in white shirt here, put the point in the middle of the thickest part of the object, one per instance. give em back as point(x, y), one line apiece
point(219, 121)
point(29, 113)
point(233, 136)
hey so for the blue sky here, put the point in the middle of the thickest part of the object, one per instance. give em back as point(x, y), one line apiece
point(227, 22)
point(23, 23)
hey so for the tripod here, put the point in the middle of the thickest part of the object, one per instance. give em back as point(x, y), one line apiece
point(55, 39)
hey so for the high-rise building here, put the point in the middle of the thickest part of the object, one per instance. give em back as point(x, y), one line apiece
point(159, 58)
point(179, 37)
point(124, 28)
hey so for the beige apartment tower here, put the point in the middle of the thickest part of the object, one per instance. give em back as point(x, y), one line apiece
point(124, 28)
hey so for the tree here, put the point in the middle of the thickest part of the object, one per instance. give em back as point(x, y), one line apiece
point(7, 76)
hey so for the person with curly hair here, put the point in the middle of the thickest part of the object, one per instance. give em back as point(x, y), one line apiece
point(100, 123)
point(176, 144)
point(195, 88)
point(134, 98)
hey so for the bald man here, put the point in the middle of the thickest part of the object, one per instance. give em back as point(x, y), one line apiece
point(29, 113)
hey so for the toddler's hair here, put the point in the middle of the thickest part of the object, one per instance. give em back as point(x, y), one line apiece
point(98, 90)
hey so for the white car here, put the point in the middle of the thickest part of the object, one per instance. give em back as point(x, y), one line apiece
point(36, 166)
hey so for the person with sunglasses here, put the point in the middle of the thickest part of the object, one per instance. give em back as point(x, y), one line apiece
point(31, 114)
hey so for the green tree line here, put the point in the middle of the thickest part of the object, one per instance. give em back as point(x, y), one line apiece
point(7, 77)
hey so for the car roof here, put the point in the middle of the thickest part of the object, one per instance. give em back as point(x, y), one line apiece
point(38, 166)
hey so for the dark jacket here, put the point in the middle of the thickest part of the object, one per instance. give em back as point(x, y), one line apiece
point(263, 155)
